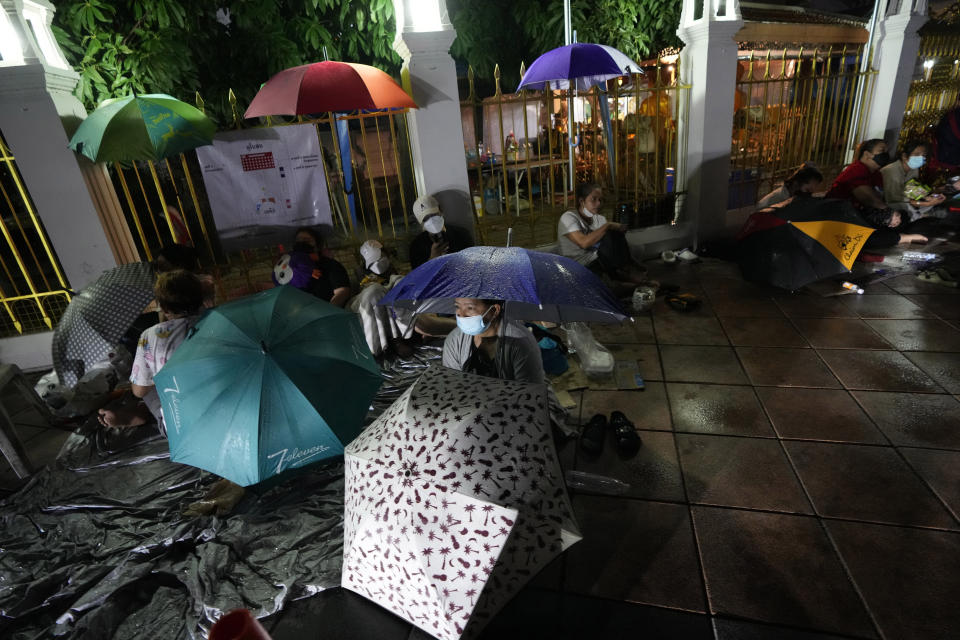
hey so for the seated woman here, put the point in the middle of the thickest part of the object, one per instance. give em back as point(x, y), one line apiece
point(898, 173)
point(601, 246)
point(330, 281)
point(802, 182)
point(860, 181)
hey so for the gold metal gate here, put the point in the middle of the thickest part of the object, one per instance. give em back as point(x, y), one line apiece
point(790, 107)
point(938, 89)
point(33, 290)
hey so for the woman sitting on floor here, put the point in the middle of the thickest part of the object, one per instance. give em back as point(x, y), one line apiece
point(601, 246)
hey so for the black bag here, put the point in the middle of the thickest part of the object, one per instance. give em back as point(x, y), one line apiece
point(613, 251)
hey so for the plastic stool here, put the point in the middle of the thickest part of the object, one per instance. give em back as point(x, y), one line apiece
point(12, 380)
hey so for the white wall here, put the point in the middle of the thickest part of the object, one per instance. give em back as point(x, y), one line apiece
point(33, 130)
point(28, 352)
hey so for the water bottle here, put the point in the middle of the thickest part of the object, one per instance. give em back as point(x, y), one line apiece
point(594, 483)
point(918, 256)
point(852, 287)
point(671, 175)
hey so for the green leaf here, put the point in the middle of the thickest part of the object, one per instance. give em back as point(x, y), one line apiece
point(163, 18)
point(93, 46)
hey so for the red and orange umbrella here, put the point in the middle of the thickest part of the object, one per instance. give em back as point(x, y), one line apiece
point(328, 86)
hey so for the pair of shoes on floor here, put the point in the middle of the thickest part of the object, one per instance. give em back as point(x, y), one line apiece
point(625, 434)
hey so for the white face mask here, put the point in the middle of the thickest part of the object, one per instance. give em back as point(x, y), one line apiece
point(474, 325)
point(915, 162)
point(433, 224)
point(380, 266)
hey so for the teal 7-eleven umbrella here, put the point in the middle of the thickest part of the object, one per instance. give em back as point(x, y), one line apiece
point(142, 127)
point(265, 384)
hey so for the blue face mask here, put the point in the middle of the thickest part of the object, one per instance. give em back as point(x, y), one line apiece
point(915, 162)
point(473, 325)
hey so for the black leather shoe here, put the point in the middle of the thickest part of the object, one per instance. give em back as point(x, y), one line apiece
point(594, 433)
point(625, 434)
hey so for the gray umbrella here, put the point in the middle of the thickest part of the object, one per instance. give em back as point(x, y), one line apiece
point(98, 317)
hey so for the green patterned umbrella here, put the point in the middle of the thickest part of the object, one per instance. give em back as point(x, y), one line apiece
point(145, 127)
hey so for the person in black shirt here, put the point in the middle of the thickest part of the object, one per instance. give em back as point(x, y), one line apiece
point(330, 281)
point(437, 238)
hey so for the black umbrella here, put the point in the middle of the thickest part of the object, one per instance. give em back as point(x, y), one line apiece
point(803, 241)
point(98, 317)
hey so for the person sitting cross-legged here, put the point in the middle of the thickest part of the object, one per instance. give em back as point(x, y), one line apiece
point(179, 295)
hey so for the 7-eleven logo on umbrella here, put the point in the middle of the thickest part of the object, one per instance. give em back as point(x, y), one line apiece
point(257, 161)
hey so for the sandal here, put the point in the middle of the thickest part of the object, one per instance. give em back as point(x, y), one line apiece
point(628, 440)
point(935, 278)
point(684, 302)
point(945, 275)
point(594, 433)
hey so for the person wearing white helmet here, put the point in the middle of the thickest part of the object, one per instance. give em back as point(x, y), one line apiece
point(382, 328)
point(438, 237)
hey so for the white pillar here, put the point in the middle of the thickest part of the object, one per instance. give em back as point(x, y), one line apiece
point(424, 36)
point(708, 62)
point(895, 59)
point(36, 99)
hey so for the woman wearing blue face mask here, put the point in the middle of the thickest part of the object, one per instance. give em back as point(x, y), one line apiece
point(484, 344)
point(896, 175)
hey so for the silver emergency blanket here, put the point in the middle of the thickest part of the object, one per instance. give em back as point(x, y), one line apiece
point(95, 546)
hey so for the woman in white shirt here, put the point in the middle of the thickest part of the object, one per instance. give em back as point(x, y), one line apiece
point(587, 237)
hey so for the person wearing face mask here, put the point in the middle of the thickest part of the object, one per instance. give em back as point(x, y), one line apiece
point(861, 182)
point(329, 280)
point(437, 238)
point(384, 328)
point(485, 345)
point(897, 174)
point(585, 235)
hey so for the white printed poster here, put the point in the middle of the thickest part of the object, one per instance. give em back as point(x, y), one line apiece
point(263, 183)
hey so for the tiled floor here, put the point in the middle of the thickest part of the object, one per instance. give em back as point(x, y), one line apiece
point(816, 444)
point(799, 479)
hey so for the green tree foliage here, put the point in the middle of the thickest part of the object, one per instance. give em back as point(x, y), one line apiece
point(182, 46)
point(509, 32)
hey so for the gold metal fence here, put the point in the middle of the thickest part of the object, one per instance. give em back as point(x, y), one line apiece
point(517, 148)
point(938, 89)
point(166, 202)
point(791, 107)
point(33, 290)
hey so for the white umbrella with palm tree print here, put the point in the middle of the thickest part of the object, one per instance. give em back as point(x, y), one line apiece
point(454, 501)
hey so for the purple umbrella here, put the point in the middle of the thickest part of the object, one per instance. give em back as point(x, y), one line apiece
point(582, 65)
point(535, 285)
